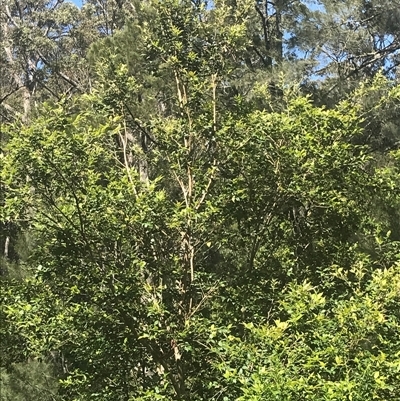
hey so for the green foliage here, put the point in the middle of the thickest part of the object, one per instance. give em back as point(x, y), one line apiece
point(129, 275)
point(30, 381)
point(324, 349)
point(194, 241)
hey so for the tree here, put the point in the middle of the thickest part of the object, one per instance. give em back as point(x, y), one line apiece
point(167, 212)
point(43, 49)
point(43, 53)
point(129, 277)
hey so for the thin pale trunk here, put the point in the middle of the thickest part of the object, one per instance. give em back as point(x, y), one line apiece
point(6, 246)
point(24, 86)
point(27, 104)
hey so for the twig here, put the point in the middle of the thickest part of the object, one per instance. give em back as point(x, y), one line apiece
point(124, 147)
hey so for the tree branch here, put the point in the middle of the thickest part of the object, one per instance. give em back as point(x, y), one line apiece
point(9, 94)
point(59, 73)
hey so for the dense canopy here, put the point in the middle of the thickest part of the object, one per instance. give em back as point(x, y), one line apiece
point(200, 200)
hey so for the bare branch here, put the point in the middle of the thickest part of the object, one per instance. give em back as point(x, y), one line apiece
point(60, 73)
point(10, 93)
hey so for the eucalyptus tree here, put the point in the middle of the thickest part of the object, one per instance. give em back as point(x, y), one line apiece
point(43, 53)
point(112, 15)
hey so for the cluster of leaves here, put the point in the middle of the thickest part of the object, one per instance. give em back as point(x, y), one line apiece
point(325, 349)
